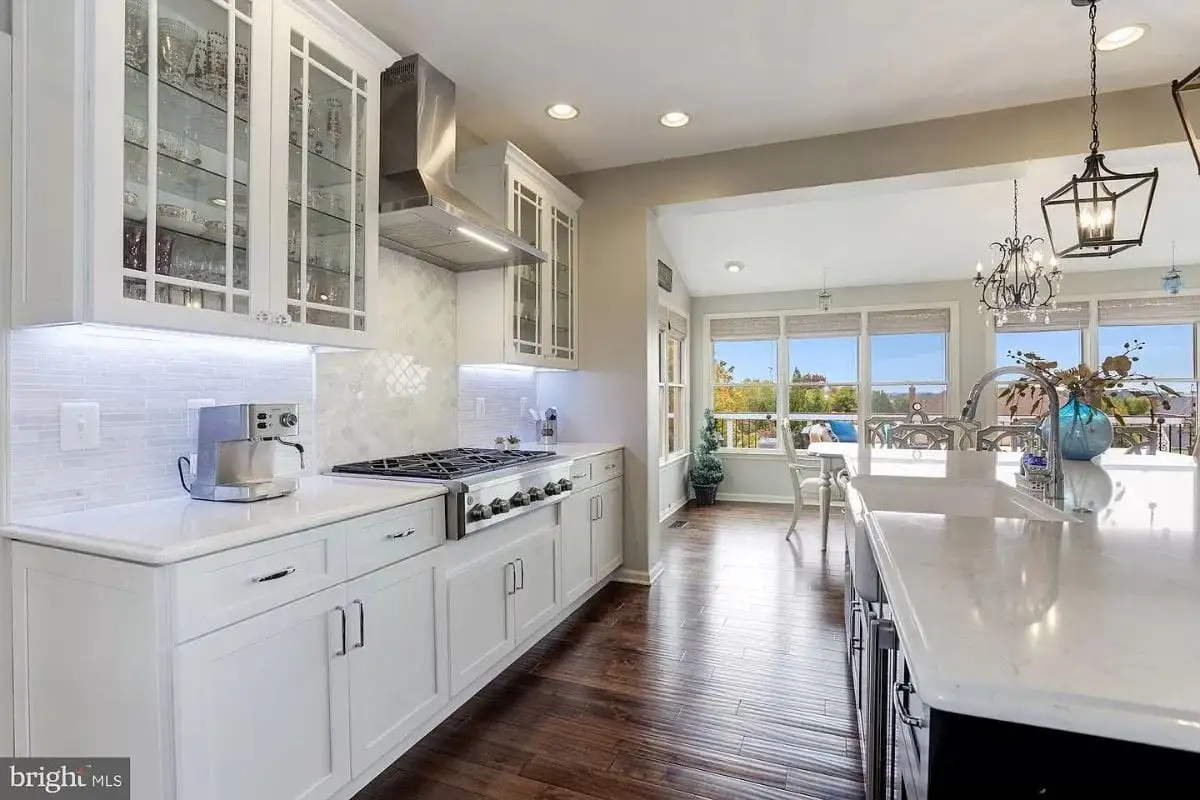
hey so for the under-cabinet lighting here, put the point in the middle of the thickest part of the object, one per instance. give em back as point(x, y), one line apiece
point(479, 237)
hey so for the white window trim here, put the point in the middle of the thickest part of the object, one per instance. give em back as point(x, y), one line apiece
point(685, 419)
point(864, 361)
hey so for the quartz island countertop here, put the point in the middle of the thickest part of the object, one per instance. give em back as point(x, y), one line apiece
point(1087, 626)
point(180, 528)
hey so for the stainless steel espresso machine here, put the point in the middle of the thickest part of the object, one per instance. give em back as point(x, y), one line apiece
point(235, 453)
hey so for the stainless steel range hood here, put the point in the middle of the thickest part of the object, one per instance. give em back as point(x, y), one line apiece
point(420, 211)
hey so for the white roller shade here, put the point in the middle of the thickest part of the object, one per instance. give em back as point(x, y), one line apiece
point(917, 320)
point(1068, 317)
point(677, 325)
point(807, 326)
point(1179, 308)
point(664, 318)
point(743, 328)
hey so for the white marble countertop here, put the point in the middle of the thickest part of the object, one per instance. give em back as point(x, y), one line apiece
point(177, 529)
point(1085, 626)
point(574, 450)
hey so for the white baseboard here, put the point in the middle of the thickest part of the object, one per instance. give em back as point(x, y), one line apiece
point(671, 509)
point(639, 577)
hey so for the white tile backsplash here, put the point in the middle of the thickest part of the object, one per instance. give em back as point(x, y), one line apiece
point(142, 381)
point(402, 398)
point(501, 390)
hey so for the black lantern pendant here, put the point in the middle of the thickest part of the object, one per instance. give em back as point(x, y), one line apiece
point(1084, 211)
point(1178, 89)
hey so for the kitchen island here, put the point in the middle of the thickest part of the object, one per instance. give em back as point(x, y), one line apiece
point(992, 629)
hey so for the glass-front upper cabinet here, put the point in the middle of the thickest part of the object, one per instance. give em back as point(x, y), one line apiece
point(562, 284)
point(195, 86)
point(528, 281)
point(332, 158)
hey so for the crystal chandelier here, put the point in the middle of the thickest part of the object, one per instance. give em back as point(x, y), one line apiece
point(1083, 212)
point(1020, 283)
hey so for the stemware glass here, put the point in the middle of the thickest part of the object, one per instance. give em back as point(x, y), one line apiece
point(176, 46)
point(137, 20)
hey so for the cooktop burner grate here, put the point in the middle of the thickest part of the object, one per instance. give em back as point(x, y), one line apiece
point(443, 464)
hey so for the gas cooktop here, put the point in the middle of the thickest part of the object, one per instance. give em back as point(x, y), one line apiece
point(443, 465)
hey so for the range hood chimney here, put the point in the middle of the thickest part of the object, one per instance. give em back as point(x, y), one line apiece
point(420, 211)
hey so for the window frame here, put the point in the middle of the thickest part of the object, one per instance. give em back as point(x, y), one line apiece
point(1091, 335)
point(665, 387)
point(782, 417)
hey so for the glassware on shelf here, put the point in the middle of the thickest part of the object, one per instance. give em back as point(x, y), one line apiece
point(182, 219)
point(137, 23)
point(191, 148)
point(134, 253)
point(176, 45)
point(170, 144)
point(241, 73)
point(133, 206)
point(333, 121)
point(135, 130)
point(211, 69)
point(163, 248)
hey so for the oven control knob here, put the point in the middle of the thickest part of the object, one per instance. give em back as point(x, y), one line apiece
point(480, 512)
point(536, 494)
point(499, 506)
point(288, 419)
point(519, 499)
point(565, 485)
point(551, 489)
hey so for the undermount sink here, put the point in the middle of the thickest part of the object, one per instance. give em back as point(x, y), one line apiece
point(980, 499)
point(956, 498)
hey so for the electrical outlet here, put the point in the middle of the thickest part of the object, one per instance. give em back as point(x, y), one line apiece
point(524, 406)
point(480, 408)
point(193, 415)
point(79, 426)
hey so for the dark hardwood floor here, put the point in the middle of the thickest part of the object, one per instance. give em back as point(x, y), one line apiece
point(725, 680)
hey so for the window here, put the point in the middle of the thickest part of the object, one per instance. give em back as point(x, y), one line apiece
point(824, 377)
point(1167, 327)
point(1060, 340)
point(672, 382)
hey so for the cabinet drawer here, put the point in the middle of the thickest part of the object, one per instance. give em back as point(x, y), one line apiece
point(608, 466)
point(377, 540)
point(581, 474)
point(221, 589)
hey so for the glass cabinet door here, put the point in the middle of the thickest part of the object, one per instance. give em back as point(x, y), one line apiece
point(527, 210)
point(562, 285)
point(327, 160)
point(187, 157)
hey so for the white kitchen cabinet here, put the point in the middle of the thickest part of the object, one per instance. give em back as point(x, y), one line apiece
point(263, 706)
point(526, 314)
point(398, 675)
point(608, 528)
point(157, 167)
point(479, 616)
point(497, 601)
point(536, 600)
point(578, 574)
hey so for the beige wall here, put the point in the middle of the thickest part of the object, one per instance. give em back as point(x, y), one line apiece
point(672, 476)
point(618, 290)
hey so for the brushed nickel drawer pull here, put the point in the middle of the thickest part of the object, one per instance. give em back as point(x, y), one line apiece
point(404, 534)
point(578, 477)
point(900, 693)
point(274, 576)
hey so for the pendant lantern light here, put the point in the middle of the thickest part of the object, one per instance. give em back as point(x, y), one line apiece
point(1099, 212)
point(1180, 89)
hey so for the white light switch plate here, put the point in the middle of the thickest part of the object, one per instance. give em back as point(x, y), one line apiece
point(79, 426)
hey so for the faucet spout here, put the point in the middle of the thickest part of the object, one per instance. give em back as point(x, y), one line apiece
point(1053, 447)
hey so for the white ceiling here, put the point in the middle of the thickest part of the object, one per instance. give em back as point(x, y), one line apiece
point(760, 71)
point(909, 230)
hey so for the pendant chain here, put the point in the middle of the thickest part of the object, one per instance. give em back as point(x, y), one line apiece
point(1095, 107)
point(1015, 225)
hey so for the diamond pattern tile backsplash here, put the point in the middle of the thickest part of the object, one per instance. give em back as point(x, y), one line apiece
point(402, 398)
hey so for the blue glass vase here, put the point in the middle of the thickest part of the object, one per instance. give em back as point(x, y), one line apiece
point(1084, 432)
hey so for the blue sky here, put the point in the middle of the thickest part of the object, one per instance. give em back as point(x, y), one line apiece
point(921, 357)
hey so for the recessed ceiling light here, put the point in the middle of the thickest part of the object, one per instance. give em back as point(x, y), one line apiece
point(734, 266)
point(562, 111)
point(674, 119)
point(1122, 37)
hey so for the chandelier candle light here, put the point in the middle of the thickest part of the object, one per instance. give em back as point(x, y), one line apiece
point(1094, 229)
point(1020, 282)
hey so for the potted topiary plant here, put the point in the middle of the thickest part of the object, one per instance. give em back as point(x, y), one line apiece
point(707, 471)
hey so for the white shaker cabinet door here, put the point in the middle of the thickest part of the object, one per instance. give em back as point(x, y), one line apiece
point(608, 530)
point(536, 599)
point(262, 707)
point(398, 675)
point(577, 573)
point(479, 608)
